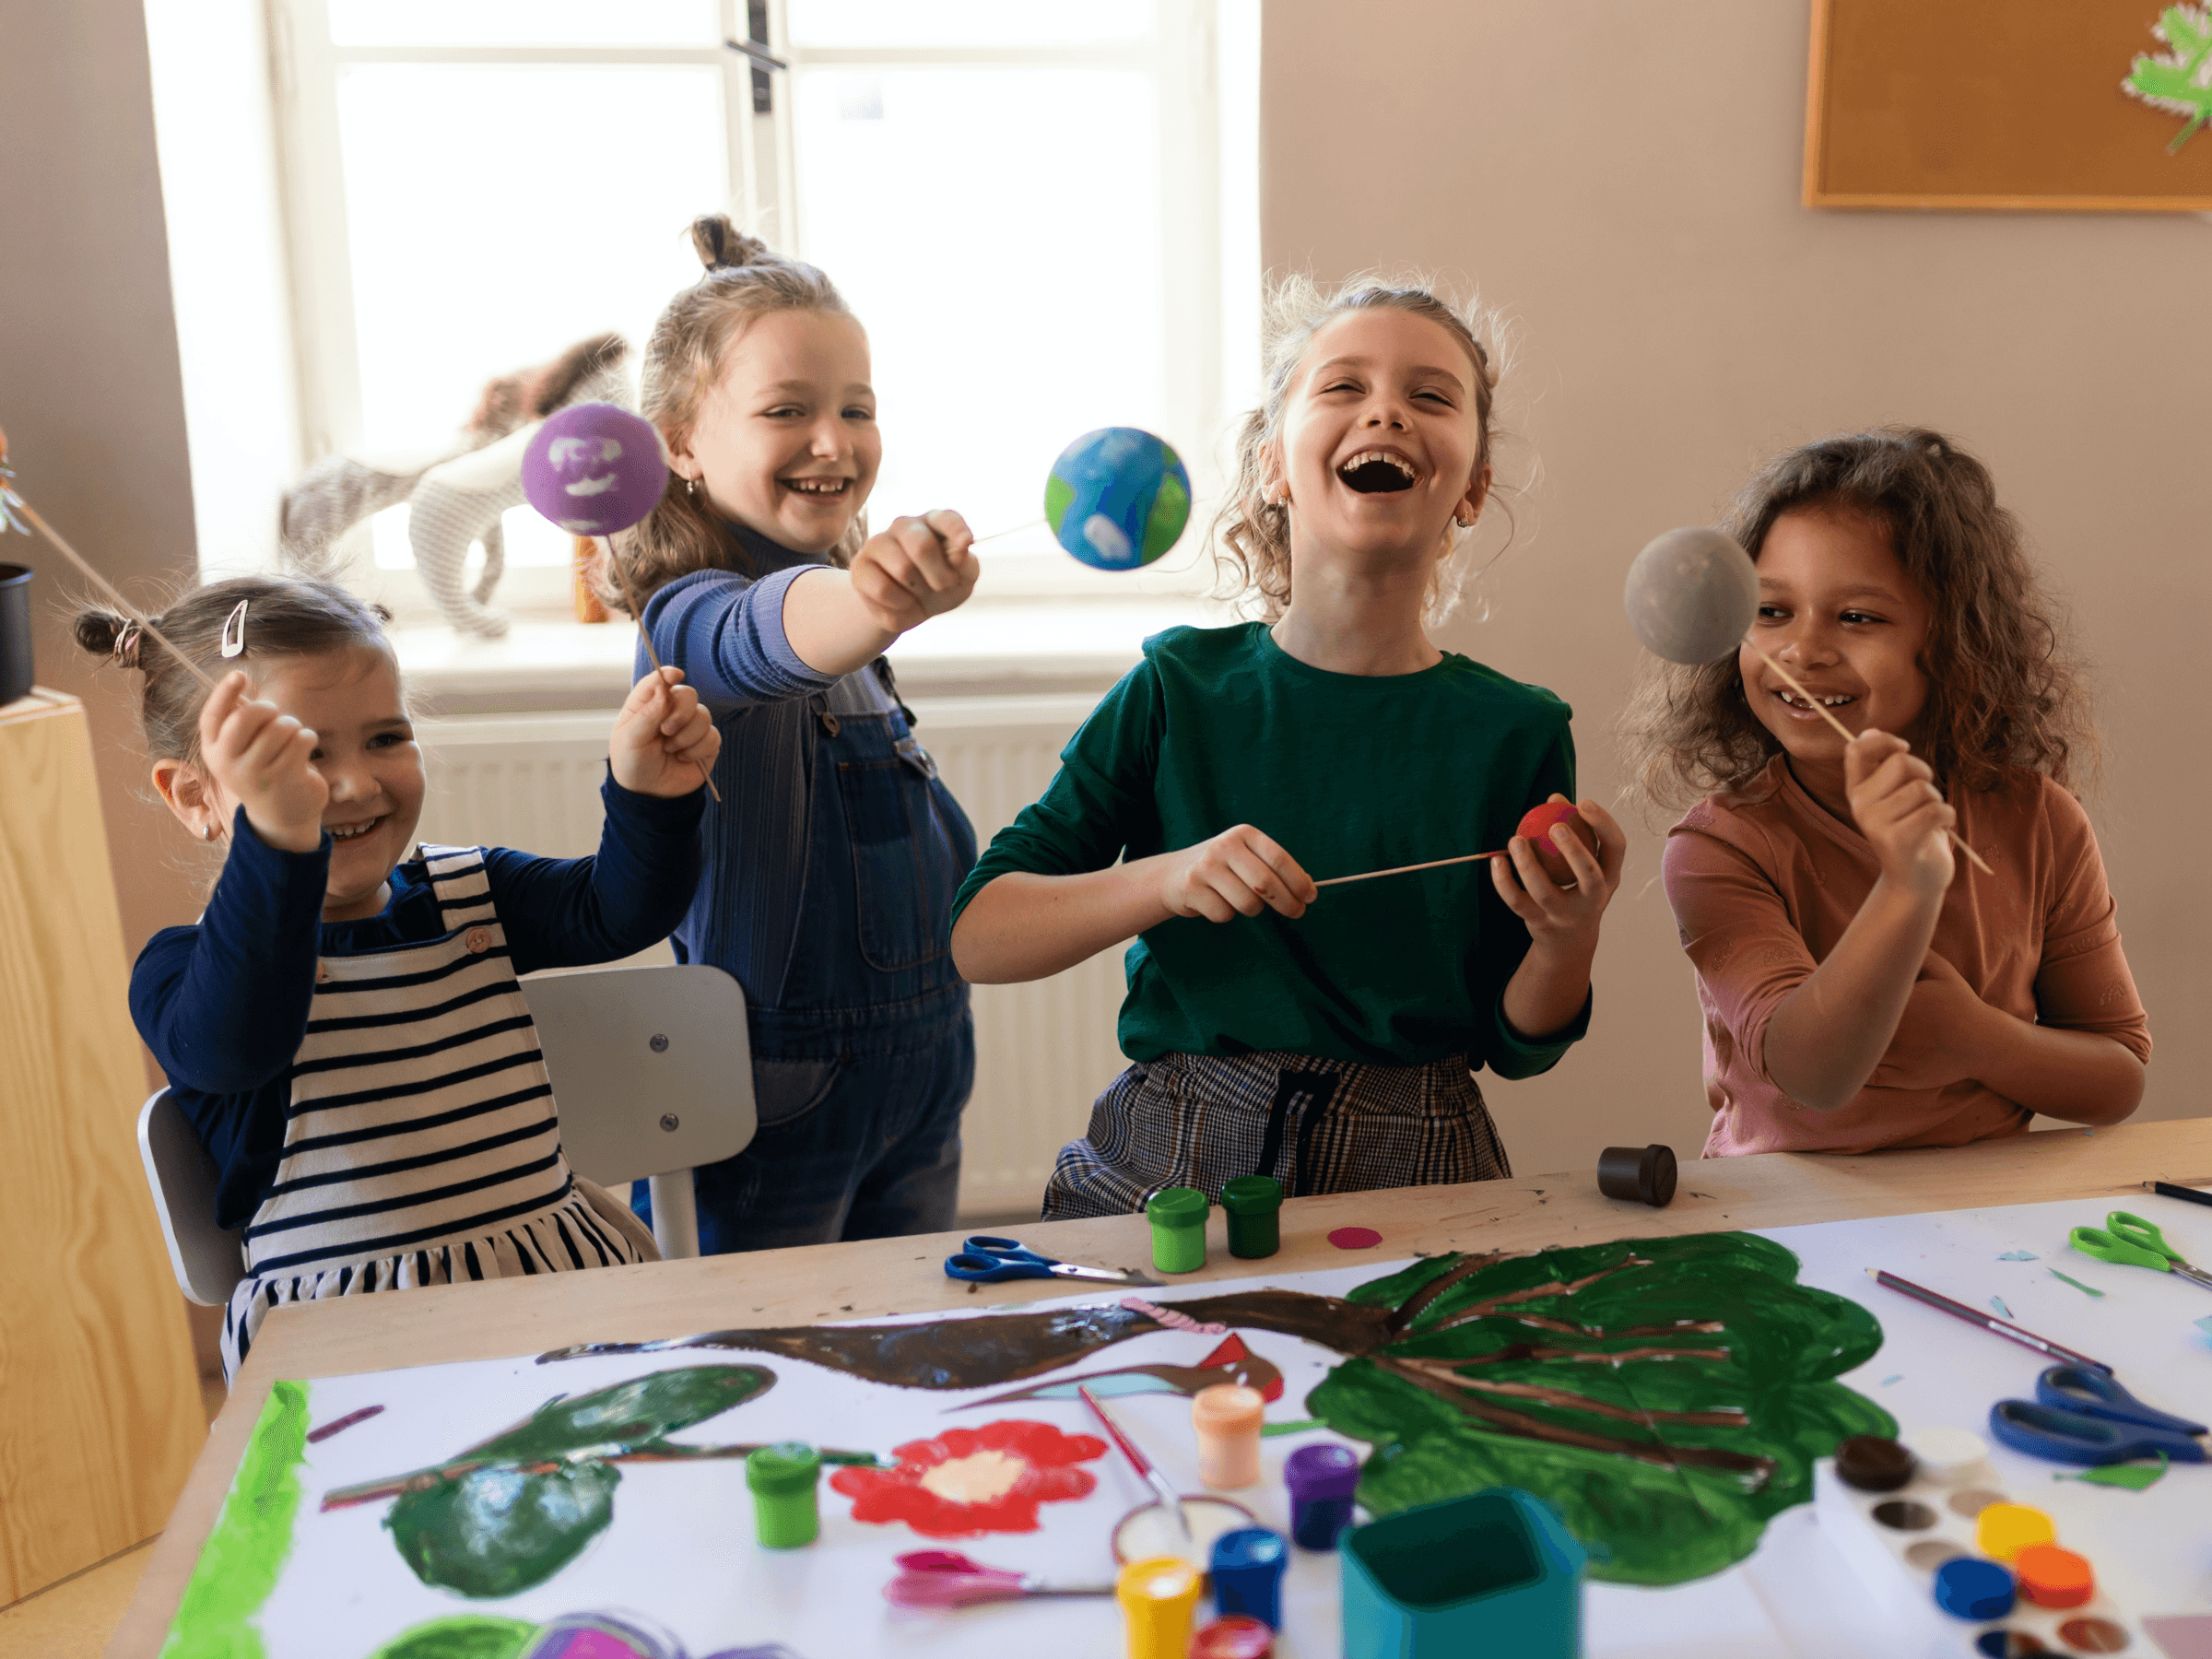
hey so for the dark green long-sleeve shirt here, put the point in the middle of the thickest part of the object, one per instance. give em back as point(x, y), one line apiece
point(1347, 773)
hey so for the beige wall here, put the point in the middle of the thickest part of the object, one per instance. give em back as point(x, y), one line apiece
point(1624, 180)
point(90, 394)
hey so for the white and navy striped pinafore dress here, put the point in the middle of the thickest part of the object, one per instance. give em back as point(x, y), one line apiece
point(421, 1146)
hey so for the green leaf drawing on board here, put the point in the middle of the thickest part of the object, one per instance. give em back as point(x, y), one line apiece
point(2178, 80)
point(246, 1551)
point(1667, 1396)
point(468, 1636)
point(2129, 1477)
point(498, 1532)
point(511, 1511)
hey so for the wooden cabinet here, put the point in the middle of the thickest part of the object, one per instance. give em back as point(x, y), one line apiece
point(99, 1407)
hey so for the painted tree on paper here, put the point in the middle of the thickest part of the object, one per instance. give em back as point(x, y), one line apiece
point(1667, 1396)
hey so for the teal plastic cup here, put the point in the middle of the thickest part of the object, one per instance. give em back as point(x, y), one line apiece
point(1255, 1203)
point(1178, 1216)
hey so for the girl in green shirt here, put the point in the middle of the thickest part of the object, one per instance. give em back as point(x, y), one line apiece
point(1329, 1039)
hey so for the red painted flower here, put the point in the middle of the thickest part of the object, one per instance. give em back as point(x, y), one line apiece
point(967, 1482)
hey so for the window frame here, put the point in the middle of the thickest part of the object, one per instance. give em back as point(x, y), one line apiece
point(1182, 54)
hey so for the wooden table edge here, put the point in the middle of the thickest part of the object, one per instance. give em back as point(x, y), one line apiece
point(882, 1277)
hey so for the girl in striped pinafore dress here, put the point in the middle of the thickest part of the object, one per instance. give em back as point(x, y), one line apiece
point(343, 1025)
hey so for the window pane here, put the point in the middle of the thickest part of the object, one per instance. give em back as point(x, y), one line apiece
point(968, 22)
point(487, 238)
point(524, 23)
point(998, 231)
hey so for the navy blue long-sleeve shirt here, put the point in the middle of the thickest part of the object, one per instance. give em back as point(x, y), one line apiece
point(224, 1003)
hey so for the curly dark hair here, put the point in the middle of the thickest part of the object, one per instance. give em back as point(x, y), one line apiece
point(2005, 694)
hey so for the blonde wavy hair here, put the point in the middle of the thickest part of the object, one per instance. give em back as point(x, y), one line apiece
point(744, 282)
point(2006, 690)
point(1250, 534)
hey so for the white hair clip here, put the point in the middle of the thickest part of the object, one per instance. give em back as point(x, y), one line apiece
point(234, 631)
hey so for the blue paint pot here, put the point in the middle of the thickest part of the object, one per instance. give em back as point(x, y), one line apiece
point(1973, 1588)
point(1247, 1571)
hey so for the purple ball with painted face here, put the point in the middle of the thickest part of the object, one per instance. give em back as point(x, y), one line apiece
point(594, 468)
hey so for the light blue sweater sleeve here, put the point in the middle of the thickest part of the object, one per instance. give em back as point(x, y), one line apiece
point(726, 631)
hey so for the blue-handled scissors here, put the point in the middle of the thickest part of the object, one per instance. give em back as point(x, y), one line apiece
point(2134, 1243)
point(987, 1260)
point(2081, 1416)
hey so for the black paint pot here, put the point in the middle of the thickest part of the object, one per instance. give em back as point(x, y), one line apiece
point(15, 633)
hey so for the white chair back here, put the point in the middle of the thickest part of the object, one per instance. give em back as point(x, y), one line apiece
point(654, 1072)
point(207, 1260)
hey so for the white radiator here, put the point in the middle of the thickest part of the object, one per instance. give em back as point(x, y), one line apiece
point(1043, 1051)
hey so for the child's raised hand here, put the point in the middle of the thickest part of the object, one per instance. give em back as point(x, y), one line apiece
point(664, 742)
point(918, 568)
point(261, 758)
point(1570, 914)
point(1238, 873)
point(1898, 808)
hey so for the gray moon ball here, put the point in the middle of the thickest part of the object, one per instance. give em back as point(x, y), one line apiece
point(1692, 594)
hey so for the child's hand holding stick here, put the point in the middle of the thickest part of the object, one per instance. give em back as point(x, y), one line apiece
point(262, 758)
point(663, 733)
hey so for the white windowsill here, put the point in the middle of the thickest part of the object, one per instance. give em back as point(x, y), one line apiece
point(987, 648)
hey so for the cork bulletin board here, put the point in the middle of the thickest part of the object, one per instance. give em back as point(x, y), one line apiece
point(2009, 104)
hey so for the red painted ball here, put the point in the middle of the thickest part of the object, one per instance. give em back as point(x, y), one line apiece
point(1535, 829)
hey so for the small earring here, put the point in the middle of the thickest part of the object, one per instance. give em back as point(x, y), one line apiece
point(690, 487)
point(208, 832)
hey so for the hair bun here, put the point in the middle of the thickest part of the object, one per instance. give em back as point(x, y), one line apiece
point(721, 246)
point(98, 630)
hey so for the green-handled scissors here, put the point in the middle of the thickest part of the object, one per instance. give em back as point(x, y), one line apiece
point(2134, 1243)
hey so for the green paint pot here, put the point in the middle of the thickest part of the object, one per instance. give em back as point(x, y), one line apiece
point(1178, 1215)
point(1255, 1203)
point(784, 1478)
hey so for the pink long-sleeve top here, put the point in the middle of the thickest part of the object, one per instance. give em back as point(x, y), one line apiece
point(1763, 884)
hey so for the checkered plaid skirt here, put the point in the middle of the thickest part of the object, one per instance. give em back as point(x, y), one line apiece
point(1315, 1125)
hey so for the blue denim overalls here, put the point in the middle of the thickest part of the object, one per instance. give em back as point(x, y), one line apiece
point(864, 1051)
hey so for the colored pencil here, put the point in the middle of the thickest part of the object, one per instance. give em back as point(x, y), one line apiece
point(2166, 1189)
point(1988, 1322)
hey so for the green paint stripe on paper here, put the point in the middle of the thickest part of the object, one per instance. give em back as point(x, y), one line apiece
point(2077, 1285)
point(1269, 1430)
point(247, 1548)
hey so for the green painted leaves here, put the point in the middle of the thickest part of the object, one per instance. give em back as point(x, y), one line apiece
point(498, 1532)
point(2178, 79)
point(1666, 1397)
point(470, 1636)
point(511, 1511)
point(630, 1413)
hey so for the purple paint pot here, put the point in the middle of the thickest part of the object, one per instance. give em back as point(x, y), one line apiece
point(594, 468)
point(1322, 1480)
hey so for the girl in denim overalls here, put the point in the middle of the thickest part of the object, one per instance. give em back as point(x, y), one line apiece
point(833, 854)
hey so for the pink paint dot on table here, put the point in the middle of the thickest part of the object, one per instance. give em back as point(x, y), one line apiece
point(1355, 1238)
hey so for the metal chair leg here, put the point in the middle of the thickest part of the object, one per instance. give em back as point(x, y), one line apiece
point(674, 1215)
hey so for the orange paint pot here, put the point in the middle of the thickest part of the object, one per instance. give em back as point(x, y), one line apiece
point(1227, 1418)
point(2052, 1577)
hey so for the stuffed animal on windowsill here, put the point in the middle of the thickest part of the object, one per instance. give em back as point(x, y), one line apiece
point(456, 490)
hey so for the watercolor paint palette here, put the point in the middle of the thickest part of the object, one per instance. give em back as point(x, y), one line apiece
point(1895, 1542)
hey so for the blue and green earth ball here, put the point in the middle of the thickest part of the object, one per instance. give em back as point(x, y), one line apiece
point(1117, 497)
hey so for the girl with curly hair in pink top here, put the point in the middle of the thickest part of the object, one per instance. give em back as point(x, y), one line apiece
point(1861, 987)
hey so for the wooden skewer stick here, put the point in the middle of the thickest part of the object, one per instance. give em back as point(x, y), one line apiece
point(1828, 715)
point(1401, 869)
point(115, 598)
point(637, 612)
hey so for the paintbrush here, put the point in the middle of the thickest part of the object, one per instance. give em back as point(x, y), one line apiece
point(1169, 1496)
